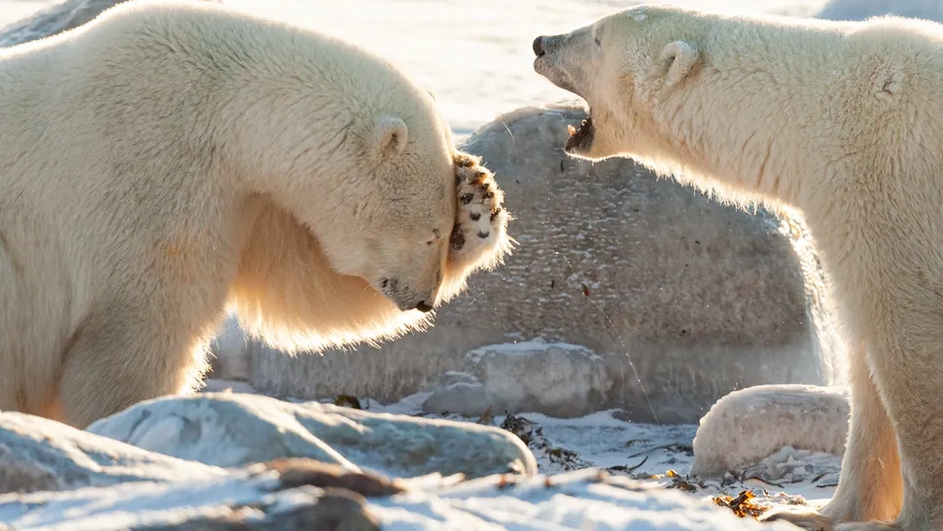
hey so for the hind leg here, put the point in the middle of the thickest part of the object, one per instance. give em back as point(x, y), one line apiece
point(908, 368)
point(870, 486)
point(114, 364)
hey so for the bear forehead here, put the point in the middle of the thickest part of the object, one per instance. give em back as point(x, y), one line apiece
point(648, 13)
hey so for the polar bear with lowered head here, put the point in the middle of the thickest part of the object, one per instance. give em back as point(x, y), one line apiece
point(842, 121)
point(168, 160)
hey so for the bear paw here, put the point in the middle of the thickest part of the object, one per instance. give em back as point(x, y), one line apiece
point(479, 237)
point(803, 517)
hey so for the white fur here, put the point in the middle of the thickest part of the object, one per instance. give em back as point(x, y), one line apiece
point(843, 121)
point(168, 159)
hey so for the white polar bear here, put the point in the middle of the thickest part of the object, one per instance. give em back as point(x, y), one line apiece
point(168, 159)
point(842, 120)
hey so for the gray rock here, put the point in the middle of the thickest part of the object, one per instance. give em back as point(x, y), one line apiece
point(530, 376)
point(39, 454)
point(464, 398)
point(232, 429)
point(677, 293)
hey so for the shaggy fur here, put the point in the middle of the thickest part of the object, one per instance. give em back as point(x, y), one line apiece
point(168, 159)
point(843, 121)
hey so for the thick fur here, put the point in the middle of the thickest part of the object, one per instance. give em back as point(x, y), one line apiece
point(843, 121)
point(169, 159)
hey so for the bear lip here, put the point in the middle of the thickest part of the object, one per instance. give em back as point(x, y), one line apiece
point(581, 138)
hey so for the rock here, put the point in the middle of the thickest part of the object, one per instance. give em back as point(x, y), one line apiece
point(463, 398)
point(529, 376)
point(56, 19)
point(232, 429)
point(674, 292)
point(39, 454)
point(748, 426)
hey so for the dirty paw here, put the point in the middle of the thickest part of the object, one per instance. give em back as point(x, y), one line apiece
point(479, 237)
point(804, 517)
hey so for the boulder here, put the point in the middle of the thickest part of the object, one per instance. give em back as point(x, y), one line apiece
point(39, 454)
point(533, 375)
point(670, 291)
point(748, 426)
point(234, 429)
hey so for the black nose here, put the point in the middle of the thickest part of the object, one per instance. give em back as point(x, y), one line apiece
point(538, 46)
point(423, 307)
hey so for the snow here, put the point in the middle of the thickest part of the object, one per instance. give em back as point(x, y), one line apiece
point(525, 348)
point(577, 500)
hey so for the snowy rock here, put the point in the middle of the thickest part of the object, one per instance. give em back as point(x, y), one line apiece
point(259, 499)
point(748, 426)
point(233, 429)
point(55, 19)
point(529, 376)
point(676, 293)
point(39, 454)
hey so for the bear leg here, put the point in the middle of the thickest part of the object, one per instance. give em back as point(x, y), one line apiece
point(906, 365)
point(119, 363)
point(870, 486)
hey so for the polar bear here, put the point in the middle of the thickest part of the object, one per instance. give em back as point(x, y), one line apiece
point(171, 159)
point(842, 121)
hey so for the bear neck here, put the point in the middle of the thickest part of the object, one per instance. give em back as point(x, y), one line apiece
point(749, 119)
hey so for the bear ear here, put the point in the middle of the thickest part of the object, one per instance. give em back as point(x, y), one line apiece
point(678, 58)
point(390, 136)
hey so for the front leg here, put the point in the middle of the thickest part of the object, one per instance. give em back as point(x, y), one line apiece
point(122, 358)
point(870, 486)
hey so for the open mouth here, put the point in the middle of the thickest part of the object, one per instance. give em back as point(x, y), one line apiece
point(581, 138)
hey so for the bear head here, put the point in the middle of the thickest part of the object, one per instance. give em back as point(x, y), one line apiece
point(621, 65)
